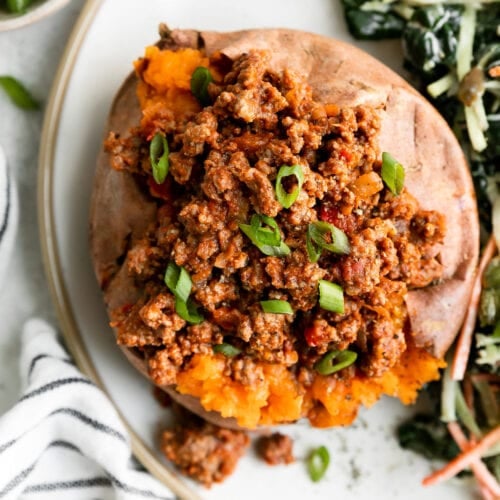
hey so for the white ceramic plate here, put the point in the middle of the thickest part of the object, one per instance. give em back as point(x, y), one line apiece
point(366, 462)
point(36, 11)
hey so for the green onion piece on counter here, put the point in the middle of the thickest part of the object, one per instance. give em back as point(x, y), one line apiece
point(227, 349)
point(343, 359)
point(331, 296)
point(178, 281)
point(323, 235)
point(318, 463)
point(188, 311)
point(264, 233)
point(393, 174)
point(158, 155)
point(276, 306)
point(288, 199)
point(17, 93)
point(200, 80)
point(18, 6)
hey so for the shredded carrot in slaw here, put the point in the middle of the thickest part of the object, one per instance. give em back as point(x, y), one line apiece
point(464, 343)
point(489, 485)
point(465, 459)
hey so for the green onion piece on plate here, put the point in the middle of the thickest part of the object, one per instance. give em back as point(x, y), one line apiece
point(335, 361)
point(331, 296)
point(393, 174)
point(200, 80)
point(227, 349)
point(158, 155)
point(276, 306)
point(17, 93)
point(285, 199)
point(264, 233)
point(317, 463)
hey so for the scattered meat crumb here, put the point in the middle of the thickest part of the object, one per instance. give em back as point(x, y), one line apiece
point(202, 451)
point(276, 449)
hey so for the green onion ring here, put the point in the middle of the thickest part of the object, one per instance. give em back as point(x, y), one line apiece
point(393, 174)
point(158, 155)
point(325, 365)
point(266, 239)
point(317, 239)
point(285, 199)
point(227, 349)
point(200, 79)
point(276, 306)
point(331, 296)
point(188, 311)
point(317, 463)
point(178, 281)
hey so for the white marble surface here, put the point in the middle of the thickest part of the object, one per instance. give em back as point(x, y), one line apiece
point(30, 54)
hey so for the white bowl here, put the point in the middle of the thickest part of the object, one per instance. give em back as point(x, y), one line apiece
point(36, 11)
point(8, 214)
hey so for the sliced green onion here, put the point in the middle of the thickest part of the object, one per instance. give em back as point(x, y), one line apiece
point(158, 155)
point(227, 349)
point(318, 463)
point(331, 296)
point(343, 359)
point(18, 93)
point(188, 311)
point(284, 198)
point(266, 239)
point(200, 80)
point(393, 174)
point(323, 235)
point(276, 306)
point(178, 281)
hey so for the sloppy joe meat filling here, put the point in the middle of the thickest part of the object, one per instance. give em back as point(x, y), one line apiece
point(224, 159)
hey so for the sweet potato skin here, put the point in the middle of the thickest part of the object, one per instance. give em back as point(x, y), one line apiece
point(412, 130)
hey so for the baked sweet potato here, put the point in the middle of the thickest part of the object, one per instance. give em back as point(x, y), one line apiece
point(340, 76)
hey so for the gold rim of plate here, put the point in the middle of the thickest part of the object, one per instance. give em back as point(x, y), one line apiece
point(50, 254)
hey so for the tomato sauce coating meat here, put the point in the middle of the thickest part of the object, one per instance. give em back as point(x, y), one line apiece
point(224, 160)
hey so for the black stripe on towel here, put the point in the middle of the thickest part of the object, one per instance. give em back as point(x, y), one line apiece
point(3, 227)
point(16, 480)
point(99, 426)
point(134, 490)
point(36, 359)
point(54, 385)
point(67, 485)
point(78, 483)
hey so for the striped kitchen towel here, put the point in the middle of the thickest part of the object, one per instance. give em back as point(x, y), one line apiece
point(63, 439)
point(8, 213)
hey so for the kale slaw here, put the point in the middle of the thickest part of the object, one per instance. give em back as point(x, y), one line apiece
point(452, 53)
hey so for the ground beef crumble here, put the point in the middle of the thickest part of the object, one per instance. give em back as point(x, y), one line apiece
point(201, 450)
point(276, 449)
point(223, 168)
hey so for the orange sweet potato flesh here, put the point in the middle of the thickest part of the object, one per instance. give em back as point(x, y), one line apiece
point(412, 131)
